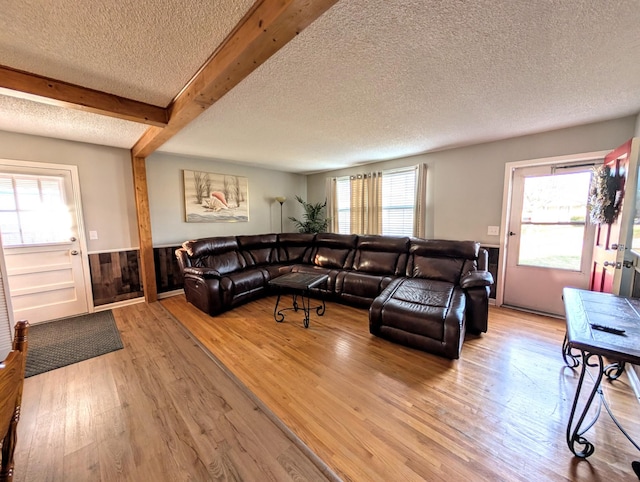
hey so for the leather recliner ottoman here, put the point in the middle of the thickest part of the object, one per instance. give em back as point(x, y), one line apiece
point(427, 309)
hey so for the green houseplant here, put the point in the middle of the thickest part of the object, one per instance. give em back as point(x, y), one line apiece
point(314, 220)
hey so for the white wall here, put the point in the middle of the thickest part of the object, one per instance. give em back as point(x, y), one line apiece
point(465, 184)
point(106, 184)
point(166, 199)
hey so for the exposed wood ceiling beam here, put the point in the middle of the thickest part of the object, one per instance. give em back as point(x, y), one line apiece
point(24, 85)
point(264, 30)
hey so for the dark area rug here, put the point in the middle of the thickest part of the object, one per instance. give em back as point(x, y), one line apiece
point(63, 342)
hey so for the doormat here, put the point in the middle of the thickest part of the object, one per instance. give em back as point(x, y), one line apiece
point(71, 340)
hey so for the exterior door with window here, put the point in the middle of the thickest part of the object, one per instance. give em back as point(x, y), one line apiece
point(550, 238)
point(39, 221)
point(613, 240)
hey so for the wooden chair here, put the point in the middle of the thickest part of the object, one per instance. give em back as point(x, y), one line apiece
point(11, 381)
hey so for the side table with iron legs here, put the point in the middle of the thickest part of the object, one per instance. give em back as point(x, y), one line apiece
point(599, 326)
point(300, 284)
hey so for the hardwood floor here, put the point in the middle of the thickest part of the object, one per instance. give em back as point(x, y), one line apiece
point(158, 410)
point(376, 411)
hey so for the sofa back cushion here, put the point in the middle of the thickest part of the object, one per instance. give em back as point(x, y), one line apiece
point(334, 250)
point(381, 255)
point(259, 250)
point(292, 247)
point(440, 260)
point(220, 254)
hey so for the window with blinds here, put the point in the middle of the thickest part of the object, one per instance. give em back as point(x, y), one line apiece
point(33, 210)
point(398, 201)
point(343, 201)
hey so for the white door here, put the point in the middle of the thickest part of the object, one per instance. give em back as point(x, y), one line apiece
point(550, 237)
point(43, 246)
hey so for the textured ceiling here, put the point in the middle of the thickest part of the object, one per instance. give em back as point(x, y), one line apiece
point(27, 117)
point(369, 80)
point(145, 50)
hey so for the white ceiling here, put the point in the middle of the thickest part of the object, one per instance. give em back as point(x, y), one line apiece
point(369, 80)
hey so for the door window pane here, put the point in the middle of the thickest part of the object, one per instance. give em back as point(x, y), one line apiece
point(551, 246)
point(553, 220)
point(33, 210)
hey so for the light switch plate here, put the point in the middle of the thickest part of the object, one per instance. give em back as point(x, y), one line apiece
point(493, 231)
point(93, 234)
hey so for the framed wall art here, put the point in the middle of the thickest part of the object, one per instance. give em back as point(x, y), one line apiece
point(215, 198)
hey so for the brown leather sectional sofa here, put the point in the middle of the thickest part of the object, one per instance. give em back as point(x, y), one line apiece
point(421, 293)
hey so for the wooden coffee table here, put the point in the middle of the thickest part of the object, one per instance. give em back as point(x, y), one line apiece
point(300, 284)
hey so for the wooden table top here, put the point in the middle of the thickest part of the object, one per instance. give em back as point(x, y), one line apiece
point(586, 307)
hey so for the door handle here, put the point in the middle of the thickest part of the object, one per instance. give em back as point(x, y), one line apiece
point(75, 252)
point(613, 264)
point(511, 233)
point(614, 246)
point(72, 239)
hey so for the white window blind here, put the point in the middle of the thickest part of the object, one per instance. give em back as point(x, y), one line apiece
point(398, 201)
point(343, 194)
point(33, 210)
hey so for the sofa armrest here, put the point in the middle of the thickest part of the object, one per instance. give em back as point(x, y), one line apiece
point(202, 272)
point(474, 279)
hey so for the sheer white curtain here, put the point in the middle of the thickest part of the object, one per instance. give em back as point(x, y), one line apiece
point(332, 203)
point(363, 205)
point(366, 203)
point(420, 212)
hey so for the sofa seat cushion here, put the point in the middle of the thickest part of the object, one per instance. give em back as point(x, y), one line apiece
point(275, 270)
point(242, 282)
point(360, 285)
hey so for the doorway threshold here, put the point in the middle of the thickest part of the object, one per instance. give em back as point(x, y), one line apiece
point(535, 312)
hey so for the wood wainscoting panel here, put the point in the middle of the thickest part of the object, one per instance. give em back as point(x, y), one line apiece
point(115, 276)
point(168, 275)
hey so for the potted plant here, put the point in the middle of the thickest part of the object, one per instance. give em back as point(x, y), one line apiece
point(314, 220)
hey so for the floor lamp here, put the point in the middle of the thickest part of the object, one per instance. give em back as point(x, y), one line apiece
point(281, 200)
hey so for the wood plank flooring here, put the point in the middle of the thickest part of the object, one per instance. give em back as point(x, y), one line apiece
point(158, 410)
point(376, 411)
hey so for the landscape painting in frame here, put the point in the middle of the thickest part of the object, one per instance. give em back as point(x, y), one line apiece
point(215, 198)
